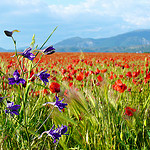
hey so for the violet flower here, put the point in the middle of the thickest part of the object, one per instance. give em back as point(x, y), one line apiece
point(52, 133)
point(57, 133)
point(10, 33)
point(58, 104)
point(49, 50)
point(12, 109)
point(62, 130)
point(43, 76)
point(27, 54)
point(1, 99)
point(16, 79)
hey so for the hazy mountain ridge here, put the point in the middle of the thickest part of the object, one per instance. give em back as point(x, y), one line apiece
point(120, 43)
point(135, 41)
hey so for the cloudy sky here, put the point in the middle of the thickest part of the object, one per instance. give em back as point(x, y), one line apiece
point(83, 18)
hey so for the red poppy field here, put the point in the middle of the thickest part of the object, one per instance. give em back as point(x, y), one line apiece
point(106, 101)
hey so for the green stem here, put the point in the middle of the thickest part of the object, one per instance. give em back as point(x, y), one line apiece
point(44, 142)
point(56, 145)
point(37, 62)
point(46, 40)
point(45, 119)
point(29, 145)
point(17, 54)
point(42, 47)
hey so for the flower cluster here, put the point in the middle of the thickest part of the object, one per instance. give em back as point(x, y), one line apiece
point(119, 86)
point(43, 76)
point(129, 111)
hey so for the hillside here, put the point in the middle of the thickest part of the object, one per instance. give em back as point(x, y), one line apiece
point(128, 41)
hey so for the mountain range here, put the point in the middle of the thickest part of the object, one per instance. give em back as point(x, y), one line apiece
point(134, 41)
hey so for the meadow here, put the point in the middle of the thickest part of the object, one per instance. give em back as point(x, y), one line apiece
point(107, 96)
point(76, 101)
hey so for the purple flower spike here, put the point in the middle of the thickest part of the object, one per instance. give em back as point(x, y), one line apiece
point(16, 79)
point(27, 54)
point(57, 133)
point(43, 76)
point(58, 104)
point(12, 109)
point(10, 33)
point(49, 50)
point(62, 130)
point(52, 133)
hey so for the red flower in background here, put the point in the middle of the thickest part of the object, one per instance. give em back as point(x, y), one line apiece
point(119, 86)
point(99, 78)
point(126, 66)
point(103, 70)
point(80, 77)
point(129, 74)
point(54, 87)
point(129, 111)
point(32, 75)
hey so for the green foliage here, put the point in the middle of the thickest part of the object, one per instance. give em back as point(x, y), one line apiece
point(95, 114)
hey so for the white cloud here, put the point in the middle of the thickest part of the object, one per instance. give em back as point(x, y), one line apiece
point(87, 18)
point(135, 12)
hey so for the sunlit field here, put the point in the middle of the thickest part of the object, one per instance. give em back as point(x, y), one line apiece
point(106, 101)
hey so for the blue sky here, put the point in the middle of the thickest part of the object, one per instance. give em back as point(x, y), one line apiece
point(83, 18)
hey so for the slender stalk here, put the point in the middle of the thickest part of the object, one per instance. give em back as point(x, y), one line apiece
point(17, 54)
point(44, 142)
point(46, 40)
point(56, 145)
point(45, 119)
point(42, 47)
point(29, 145)
point(37, 62)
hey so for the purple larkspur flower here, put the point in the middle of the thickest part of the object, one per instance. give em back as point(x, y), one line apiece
point(52, 133)
point(10, 33)
point(43, 76)
point(12, 109)
point(1, 98)
point(49, 50)
point(57, 133)
point(57, 103)
point(27, 54)
point(16, 78)
point(62, 130)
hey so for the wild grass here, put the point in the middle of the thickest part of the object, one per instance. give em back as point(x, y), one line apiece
point(95, 114)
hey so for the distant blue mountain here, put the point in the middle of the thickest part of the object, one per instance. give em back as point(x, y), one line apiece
point(2, 49)
point(135, 41)
point(127, 42)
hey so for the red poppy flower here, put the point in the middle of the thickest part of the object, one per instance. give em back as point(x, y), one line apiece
point(134, 74)
point(54, 87)
point(103, 70)
point(119, 86)
point(99, 78)
point(80, 77)
point(129, 111)
point(129, 74)
point(126, 66)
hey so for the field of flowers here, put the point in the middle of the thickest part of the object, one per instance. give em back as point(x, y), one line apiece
point(75, 101)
